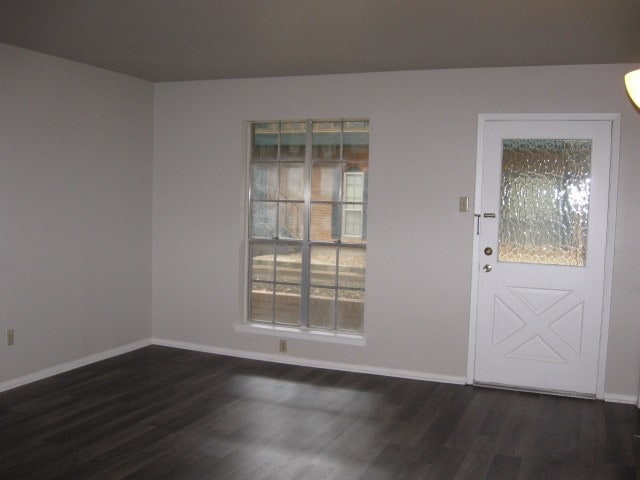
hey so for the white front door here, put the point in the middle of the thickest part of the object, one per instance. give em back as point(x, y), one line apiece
point(542, 244)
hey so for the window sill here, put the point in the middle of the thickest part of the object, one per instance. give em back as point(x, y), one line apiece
point(301, 333)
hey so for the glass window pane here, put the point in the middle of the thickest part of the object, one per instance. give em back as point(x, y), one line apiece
point(264, 142)
point(353, 187)
point(263, 219)
point(356, 141)
point(264, 181)
point(351, 268)
point(350, 310)
point(293, 141)
point(291, 220)
point(261, 302)
point(289, 263)
point(261, 262)
point(326, 140)
point(292, 181)
point(544, 201)
point(323, 266)
point(326, 221)
point(354, 228)
point(287, 305)
point(322, 307)
point(353, 221)
point(325, 182)
point(355, 169)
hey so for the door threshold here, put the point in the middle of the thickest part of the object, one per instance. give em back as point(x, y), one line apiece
point(515, 388)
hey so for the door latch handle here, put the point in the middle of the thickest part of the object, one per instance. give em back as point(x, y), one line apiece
point(478, 217)
point(487, 268)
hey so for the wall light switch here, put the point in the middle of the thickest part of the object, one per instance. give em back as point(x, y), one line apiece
point(464, 204)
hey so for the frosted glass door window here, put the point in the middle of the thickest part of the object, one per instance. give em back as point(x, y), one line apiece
point(544, 201)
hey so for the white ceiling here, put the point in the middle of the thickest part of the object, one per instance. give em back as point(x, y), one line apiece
point(168, 40)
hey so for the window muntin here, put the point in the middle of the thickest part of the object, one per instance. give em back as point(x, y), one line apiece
point(307, 224)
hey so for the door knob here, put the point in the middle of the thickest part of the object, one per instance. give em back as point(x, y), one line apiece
point(486, 268)
point(488, 251)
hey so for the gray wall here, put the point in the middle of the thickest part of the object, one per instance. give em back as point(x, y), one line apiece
point(79, 158)
point(75, 210)
point(423, 144)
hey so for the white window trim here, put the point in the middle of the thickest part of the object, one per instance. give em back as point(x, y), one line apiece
point(318, 335)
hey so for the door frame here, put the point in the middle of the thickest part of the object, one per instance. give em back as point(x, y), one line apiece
point(614, 119)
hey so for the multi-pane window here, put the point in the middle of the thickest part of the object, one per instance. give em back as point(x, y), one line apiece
point(307, 223)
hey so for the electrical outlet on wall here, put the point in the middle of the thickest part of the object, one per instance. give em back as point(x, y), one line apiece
point(283, 346)
point(10, 337)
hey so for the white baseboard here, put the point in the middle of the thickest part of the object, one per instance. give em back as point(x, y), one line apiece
point(615, 398)
point(387, 372)
point(64, 367)
point(305, 362)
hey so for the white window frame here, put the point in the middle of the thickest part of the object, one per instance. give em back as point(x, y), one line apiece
point(351, 207)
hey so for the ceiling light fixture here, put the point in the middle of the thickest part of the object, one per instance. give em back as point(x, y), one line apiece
point(632, 81)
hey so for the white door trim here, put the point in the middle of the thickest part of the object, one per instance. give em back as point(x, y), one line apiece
point(614, 118)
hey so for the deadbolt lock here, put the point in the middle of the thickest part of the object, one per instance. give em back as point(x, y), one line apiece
point(488, 251)
point(486, 268)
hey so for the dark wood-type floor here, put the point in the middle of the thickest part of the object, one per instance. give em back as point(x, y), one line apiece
point(162, 413)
